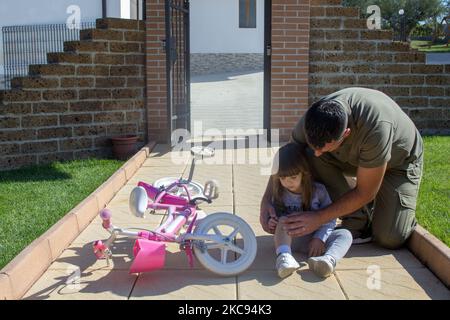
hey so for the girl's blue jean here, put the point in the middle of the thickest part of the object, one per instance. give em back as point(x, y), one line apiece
point(336, 245)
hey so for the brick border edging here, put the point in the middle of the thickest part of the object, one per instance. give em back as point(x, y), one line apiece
point(19, 275)
point(432, 252)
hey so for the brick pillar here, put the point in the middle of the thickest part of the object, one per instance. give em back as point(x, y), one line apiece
point(290, 63)
point(156, 71)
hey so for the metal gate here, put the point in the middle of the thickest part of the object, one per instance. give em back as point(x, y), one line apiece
point(177, 58)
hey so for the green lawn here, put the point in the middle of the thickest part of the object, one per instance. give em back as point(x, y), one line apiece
point(33, 199)
point(426, 46)
point(433, 207)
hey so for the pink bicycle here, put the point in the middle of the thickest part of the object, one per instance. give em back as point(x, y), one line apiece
point(222, 242)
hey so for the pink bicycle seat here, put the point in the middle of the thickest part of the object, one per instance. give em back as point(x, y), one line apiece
point(148, 255)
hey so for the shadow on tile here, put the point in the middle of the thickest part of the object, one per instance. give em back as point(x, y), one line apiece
point(189, 284)
point(79, 262)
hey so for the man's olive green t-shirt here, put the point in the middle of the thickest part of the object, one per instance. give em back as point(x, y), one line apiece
point(380, 131)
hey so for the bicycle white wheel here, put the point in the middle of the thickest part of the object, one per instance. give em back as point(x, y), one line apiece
point(195, 189)
point(231, 258)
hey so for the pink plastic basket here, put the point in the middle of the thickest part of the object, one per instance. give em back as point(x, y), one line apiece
point(148, 255)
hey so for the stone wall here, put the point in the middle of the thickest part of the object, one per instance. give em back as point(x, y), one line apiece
point(213, 63)
point(344, 53)
point(72, 106)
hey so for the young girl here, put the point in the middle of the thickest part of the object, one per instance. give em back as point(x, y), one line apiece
point(294, 190)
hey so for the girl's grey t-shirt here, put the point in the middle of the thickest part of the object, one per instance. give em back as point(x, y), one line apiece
point(320, 199)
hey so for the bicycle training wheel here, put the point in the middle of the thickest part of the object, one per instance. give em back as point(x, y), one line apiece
point(238, 251)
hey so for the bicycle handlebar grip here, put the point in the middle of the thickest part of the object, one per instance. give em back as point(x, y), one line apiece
point(106, 214)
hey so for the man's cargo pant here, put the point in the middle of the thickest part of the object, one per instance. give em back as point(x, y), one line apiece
point(392, 217)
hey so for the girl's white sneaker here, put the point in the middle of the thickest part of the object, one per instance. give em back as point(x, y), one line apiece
point(321, 266)
point(286, 265)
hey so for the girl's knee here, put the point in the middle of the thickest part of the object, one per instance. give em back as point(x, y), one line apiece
point(343, 233)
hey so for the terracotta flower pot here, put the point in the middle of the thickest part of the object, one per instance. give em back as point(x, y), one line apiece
point(124, 147)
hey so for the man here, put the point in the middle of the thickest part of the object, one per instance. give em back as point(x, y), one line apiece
point(362, 133)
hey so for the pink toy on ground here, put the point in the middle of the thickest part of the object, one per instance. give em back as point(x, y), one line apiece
point(149, 255)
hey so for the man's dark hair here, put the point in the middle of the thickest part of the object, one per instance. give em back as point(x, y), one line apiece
point(325, 121)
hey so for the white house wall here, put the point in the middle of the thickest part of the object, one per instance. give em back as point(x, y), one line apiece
point(215, 28)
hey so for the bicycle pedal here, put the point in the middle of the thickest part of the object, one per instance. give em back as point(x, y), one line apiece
point(211, 189)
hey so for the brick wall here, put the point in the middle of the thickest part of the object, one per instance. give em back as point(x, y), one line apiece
point(290, 58)
point(156, 71)
point(344, 53)
point(72, 106)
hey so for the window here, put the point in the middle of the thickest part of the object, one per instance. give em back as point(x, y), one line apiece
point(247, 13)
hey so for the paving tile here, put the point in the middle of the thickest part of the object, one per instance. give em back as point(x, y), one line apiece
point(363, 256)
point(186, 285)
point(122, 197)
point(265, 255)
point(178, 158)
point(208, 209)
point(302, 285)
point(248, 198)
point(250, 213)
point(89, 285)
point(245, 175)
point(160, 150)
point(222, 157)
point(257, 187)
point(6, 291)
point(223, 175)
point(415, 283)
point(82, 256)
point(224, 199)
point(258, 162)
point(151, 174)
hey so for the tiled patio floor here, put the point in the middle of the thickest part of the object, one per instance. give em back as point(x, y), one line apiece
point(400, 274)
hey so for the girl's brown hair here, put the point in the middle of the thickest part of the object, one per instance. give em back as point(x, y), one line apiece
point(292, 160)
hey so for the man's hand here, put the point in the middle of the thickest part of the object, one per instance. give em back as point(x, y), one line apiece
point(316, 247)
point(303, 223)
point(268, 217)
